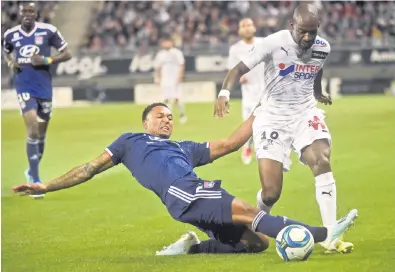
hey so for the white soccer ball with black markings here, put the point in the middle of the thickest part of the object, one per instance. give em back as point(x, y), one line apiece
point(294, 243)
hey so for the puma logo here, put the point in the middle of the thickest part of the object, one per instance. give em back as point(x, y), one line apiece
point(327, 193)
point(286, 51)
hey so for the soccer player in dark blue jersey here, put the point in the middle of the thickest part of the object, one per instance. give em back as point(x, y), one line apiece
point(166, 168)
point(31, 42)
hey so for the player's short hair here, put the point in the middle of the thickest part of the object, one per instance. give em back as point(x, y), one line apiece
point(27, 3)
point(149, 108)
point(166, 37)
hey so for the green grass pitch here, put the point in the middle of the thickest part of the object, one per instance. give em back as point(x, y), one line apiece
point(113, 224)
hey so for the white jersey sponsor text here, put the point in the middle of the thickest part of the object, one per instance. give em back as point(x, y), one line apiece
point(289, 77)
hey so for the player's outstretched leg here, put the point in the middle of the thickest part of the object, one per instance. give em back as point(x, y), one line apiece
point(189, 243)
point(317, 156)
point(32, 146)
point(271, 225)
point(271, 177)
point(181, 246)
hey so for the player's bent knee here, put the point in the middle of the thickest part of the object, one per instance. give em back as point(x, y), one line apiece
point(258, 247)
point(271, 199)
point(321, 164)
point(271, 193)
point(255, 242)
point(33, 131)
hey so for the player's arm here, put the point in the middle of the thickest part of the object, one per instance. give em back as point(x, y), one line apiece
point(257, 55)
point(231, 144)
point(8, 48)
point(10, 60)
point(75, 176)
point(63, 54)
point(318, 94)
point(233, 60)
point(181, 60)
point(158, 69)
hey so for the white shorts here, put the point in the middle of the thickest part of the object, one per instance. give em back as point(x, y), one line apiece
point(171, 91)
point(275, 141)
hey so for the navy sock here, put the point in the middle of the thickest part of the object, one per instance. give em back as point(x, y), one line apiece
point(214, 246)
point(41, 146)
point(33, 157)
point(272, 225)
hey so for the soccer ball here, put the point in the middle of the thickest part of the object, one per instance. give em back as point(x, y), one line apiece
point(294, 243)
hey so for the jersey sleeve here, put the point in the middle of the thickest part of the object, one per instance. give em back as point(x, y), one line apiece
point(58, 41)
point(117, 149)
point(199, 153)
point(232, 58)
point(180, 57)
point(258, 53)
point(7, 45)
point(328, 51)
point(158, 60)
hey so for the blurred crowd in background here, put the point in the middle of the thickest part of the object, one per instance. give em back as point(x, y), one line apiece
point(193, 24)
point(10, 13)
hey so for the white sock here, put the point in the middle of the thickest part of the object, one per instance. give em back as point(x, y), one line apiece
point(325, 192)
point(259, 203)
point(181, 109)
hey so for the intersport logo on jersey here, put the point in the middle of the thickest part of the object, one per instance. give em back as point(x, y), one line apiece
point(300, 71)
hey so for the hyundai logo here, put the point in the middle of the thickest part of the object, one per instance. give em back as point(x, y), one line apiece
point(28, 51)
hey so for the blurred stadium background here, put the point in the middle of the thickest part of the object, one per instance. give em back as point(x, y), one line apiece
point(112, 224)
point(115, 43)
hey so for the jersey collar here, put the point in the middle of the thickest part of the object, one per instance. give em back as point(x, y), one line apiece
point(27, 34)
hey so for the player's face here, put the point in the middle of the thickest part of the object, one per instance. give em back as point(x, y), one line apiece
point(28, 14)
point(167, 44)
point(159, 122)
point(305, 34)
point(246, 29)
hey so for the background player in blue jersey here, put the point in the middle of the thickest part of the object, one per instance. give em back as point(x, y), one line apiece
point(166, 168)
point(31, 42)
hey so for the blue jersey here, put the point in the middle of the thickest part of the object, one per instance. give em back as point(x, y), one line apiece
point(36, 81)
point(157, 163)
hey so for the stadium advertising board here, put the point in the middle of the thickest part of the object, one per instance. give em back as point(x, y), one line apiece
point(87, 66)
point(192, 92)
point(62, 97)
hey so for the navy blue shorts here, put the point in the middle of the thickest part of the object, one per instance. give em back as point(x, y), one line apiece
point(42, 106)
point(209, 209)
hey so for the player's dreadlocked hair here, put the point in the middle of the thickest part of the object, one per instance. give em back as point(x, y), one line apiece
point(149, 108)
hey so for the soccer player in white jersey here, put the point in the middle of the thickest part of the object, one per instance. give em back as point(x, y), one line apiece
point(169, 73)
point(251, 83)
point(289, 116)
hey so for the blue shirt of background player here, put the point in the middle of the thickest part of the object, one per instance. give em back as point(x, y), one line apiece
point(155, 162)
point(36, 81)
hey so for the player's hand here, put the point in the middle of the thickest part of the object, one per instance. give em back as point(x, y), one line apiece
point(221, 107)
point(243, 79)
point(13, 64)
point(37, 60)
point(156, 80)
point(327, 100)
point(30, 189)
point(179, 80)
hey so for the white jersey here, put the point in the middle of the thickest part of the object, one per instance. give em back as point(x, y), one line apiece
point(241, 50)
point(289, 78)
point(170, 62)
